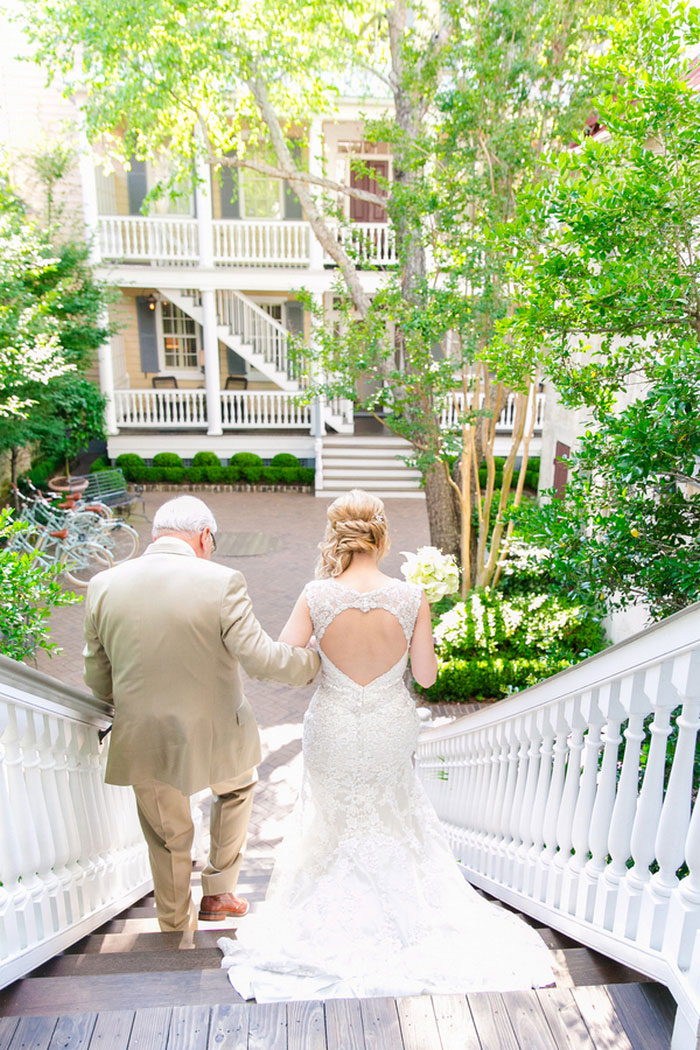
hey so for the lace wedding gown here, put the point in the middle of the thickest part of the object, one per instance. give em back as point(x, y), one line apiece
point(366, 898)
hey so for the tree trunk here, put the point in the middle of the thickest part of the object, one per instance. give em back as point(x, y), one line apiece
point(443, 515)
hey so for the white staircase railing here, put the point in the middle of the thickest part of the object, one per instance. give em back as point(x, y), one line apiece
point(72, 855)
point(267, 338)
point(569, 802)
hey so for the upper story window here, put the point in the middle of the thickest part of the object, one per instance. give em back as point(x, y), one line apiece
point(371, 175)
point(261, 196)
point(180, 338)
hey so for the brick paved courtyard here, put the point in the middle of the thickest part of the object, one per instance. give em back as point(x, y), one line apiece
point(292, 525)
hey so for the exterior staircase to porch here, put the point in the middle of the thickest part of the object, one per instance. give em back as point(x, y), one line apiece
point(262, 342)
point(376, 463)
point(129, 987)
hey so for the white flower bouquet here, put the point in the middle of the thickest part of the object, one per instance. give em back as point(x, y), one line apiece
point(435, 572)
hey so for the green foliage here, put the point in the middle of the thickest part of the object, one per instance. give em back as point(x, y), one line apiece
point(50, 327)
point(610, 274)
point(167, 459)
point(99, 464)
point(493, 644)
point(30, 592)
point(285, 460)
point(206, 459)
point(247, 466)
point(628, 526)
point(132, 466)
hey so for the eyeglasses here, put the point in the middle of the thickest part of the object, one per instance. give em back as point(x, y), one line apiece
point(212, 537)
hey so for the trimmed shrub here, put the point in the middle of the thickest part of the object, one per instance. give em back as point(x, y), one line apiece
point(206, 459)
point(101, 463)
point(306, 475)
point(132, 466)
point(168, 459)
point(248, 467)
point(285, 460)
point(217, 475)
point(171, 475)
point(195, 475)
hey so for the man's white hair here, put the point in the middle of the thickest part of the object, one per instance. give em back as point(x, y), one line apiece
point(185, 514)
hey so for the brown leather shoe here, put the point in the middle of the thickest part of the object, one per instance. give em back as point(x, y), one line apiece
point(222, 906)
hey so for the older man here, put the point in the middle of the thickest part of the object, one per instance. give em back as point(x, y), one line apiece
point(166, 635)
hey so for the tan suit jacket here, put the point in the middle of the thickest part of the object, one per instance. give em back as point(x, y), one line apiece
point(165, 637)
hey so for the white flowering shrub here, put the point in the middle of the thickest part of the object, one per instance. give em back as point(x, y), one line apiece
point(494, 644)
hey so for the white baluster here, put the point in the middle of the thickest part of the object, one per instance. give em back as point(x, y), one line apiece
point(662, 696)
point(46, 887)
point(556, 787)
point(13, 895)
point(674, 822)
point(534, 886)
point(508, 798)
point(515, 828)
point(495, 814)
point(28, 851)
point(569, 798)
point(584, 804)
point(634, 701)
point(526, 818)
point(683, 920)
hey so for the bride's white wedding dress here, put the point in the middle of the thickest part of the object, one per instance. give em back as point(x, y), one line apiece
point(366, 898)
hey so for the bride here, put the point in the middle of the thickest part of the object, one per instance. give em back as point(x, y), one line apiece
point(366, 898)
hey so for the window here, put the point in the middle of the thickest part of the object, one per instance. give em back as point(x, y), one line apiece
point(261, 195)
point(180, 338)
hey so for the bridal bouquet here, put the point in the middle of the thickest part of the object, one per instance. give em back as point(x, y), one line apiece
point(435, 572)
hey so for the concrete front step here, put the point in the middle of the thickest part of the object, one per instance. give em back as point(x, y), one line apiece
point(382, 492)
point(379, 472)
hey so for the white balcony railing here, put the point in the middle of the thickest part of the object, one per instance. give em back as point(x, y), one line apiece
point(185, 409)
point(261, 242)
point(569, 802)
point(153, 239)
point(451, 412)
point(276, 409)
point(72, 854)
point(164, 241)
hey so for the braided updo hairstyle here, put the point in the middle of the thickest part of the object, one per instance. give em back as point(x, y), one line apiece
point(356, 524)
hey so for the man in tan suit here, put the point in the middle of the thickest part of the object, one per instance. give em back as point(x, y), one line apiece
point(166, 635)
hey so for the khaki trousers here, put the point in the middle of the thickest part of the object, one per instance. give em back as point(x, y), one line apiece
point(166, 822)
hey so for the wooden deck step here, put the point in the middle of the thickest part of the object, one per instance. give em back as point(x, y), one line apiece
point(130, 962)
point(611, 1017)
point(144, 942)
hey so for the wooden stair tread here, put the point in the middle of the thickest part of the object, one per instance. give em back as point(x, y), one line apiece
point(583, 966)
point(65, 995)
point(144, 942)
point(547, 1019)
point(130, 962)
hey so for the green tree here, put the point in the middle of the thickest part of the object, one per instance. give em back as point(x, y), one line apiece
point(474, 94)
point(609, 259)
point(51, 311)
point(30, 592)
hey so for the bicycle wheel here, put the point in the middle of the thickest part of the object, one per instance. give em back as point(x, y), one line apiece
point(32, 541)
point(120, 539)
point(82, 561)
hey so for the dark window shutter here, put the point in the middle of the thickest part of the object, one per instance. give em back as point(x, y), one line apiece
point(148, 336)
point(294, 317)
point(137, 185)
point(229, 194)
point(292, 204)
point(561, 467)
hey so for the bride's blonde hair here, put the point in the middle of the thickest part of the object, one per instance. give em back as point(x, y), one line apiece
point(356, 524)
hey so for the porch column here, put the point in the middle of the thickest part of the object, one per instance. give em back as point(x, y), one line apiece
point(210, 339)
point(91, 217)
point(212, 377)
point(315, 168)
point(318, 421)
